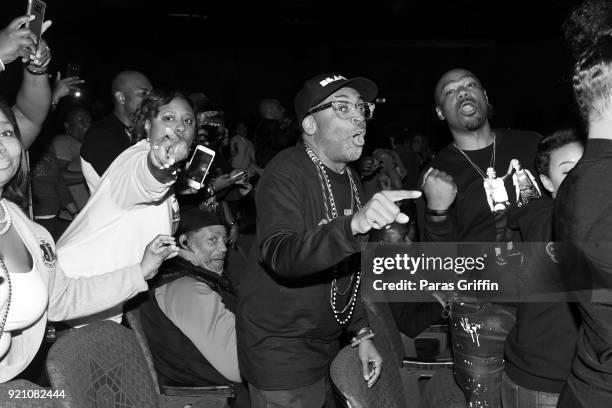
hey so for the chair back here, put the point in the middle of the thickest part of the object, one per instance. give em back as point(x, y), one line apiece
point(175, 396)
point(101, 365)
point(133, 318)
point(382, 321)
point(347, 377)
point(413, 377)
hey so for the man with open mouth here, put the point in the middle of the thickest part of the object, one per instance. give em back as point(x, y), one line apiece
point(459, 208)
point(300, 292)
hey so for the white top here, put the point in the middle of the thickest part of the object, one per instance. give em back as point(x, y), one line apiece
point(127, 210)
point(67, 298)
point(199, 313)
point(92, 178)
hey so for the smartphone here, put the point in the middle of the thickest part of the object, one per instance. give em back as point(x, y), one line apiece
point(36, 8)
point(198, 166)
point(238, 175)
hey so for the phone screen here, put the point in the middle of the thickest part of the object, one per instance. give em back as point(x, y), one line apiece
point(37, 9)
point(198, 167)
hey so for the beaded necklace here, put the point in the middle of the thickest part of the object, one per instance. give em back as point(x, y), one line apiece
point(10, 291)
point(7, 220)
point(331, 212)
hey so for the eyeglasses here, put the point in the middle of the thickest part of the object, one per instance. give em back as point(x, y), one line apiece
point(343, 109)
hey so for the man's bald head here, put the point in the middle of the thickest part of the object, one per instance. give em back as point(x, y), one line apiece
point(129, 89)
point(127, 78)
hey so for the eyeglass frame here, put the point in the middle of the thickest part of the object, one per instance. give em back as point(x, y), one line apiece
point(354, 106)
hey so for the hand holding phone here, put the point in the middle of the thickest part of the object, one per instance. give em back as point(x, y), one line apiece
point(198, 167)
point(16, 41)
point(36, 8)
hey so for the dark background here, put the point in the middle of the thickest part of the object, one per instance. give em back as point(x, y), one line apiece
point(239, 52)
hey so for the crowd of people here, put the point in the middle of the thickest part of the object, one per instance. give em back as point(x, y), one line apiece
point(254, 278)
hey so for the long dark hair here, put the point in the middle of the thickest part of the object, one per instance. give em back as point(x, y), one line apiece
point(15, 189)
point(149, 108)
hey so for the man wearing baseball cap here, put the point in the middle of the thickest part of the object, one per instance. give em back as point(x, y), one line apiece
point(189, 319)
point(300, 291)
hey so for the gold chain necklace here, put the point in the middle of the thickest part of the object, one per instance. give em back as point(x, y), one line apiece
point(478, 169)
point(331, 212)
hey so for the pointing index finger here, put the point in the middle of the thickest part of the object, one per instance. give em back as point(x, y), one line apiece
point(399, 195)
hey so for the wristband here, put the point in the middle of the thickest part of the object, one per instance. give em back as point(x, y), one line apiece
point(43, 70)
point(367, 334)
point(437, 213)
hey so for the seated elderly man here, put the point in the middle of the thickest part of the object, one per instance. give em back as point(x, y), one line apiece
point(189, 319)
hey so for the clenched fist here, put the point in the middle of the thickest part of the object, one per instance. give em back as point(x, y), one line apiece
point(439, 188)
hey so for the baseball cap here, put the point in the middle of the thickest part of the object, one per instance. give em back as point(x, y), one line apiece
point(316, 89)
point(196, 218)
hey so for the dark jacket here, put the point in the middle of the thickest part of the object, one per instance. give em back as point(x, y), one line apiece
point(540, 347)
point(104, 141)
point(583, 225)
point(287, 333)
point(176, 358)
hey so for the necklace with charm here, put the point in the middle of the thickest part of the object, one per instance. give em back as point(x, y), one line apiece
point(331, 212)
point(482, 174)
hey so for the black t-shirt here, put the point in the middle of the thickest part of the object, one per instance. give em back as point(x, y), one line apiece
point(583, 226)
point(104, 142)
point(472, 219)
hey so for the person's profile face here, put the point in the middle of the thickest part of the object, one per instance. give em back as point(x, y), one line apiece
point(562, 160)
point(135, 90)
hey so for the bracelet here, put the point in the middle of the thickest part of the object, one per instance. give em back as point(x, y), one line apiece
point(367, 334)
point(446, 304)
point(43, 70)
point(438, 213)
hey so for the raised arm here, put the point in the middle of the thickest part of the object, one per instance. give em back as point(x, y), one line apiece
point(34, 97)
